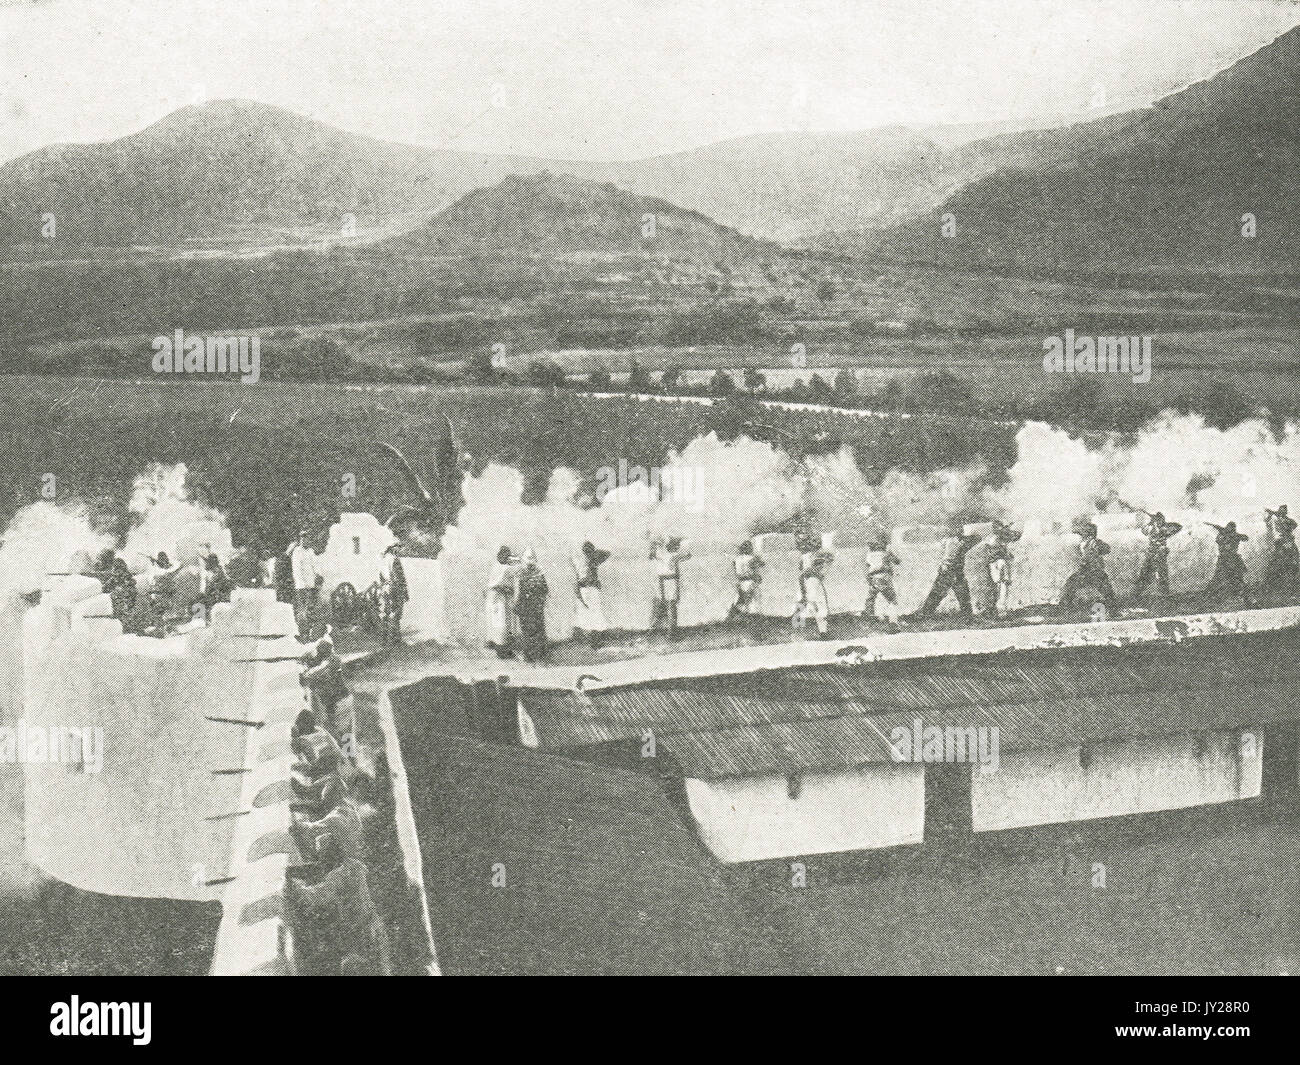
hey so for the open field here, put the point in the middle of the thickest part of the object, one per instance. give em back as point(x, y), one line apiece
point(275, 454)
point(368, 314)
point(1262, 362)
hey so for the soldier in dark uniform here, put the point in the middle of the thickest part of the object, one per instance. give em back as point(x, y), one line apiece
point(530, 608)
point(394, 580)
point(1091, 572)
point(1156, 564)
point(952, 572)
point(120, 586)
point(323, 677)
point(1282, 574)
point(1229, 580)
point(334, 918)
point(216, 585)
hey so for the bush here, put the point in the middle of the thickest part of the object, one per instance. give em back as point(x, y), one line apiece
point(938, 391)
point(1223, 405)
point(721, 323)
point(319, 358)
point(596, 335)
point(1078, 400)
point(545, 374)
point(638, 378)
point(479, 368)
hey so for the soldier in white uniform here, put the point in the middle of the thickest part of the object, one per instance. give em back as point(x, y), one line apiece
point(668, 558)
point(499, 608)
point(814, 605)
point(748, 568)
point(880, 581)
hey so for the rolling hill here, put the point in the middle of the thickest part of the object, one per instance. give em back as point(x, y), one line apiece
point(241, 171)
point(1168, 186)
point(561, 215)
point(228, 170)
point(1165, 184)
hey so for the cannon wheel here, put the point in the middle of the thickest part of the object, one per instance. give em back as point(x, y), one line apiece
point(343, 604)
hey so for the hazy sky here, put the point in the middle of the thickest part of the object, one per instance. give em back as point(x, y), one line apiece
point(602, 78)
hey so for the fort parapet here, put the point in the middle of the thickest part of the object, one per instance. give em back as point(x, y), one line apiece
point(192, 798)
point(1043, 559)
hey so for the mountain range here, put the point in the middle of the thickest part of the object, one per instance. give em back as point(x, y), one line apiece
point(1174, 182)
point(1209, 176)
point(239, 170)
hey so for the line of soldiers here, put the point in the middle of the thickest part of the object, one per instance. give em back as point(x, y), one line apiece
point(208, 585)
point(515, 605)
point(1281, 574)
point(336, 925)
point(517, 589)
point(1090, 584)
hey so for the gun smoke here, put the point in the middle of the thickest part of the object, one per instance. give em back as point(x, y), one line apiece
point(1175, 463)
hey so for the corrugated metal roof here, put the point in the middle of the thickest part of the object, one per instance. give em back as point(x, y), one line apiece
point(831, 743)
point(912, 646)
point(814, 717)
point(843, 742)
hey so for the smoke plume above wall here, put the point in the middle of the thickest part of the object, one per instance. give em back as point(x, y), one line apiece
point(50, 537)
point(1175, 463)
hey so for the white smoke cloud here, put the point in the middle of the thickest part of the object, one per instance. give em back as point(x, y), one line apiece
point(1176, 463)
point(43, 538)
point(48, 537)
point(713, 492)
point(720, 493)
point(840, 497)
point(165, 517)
